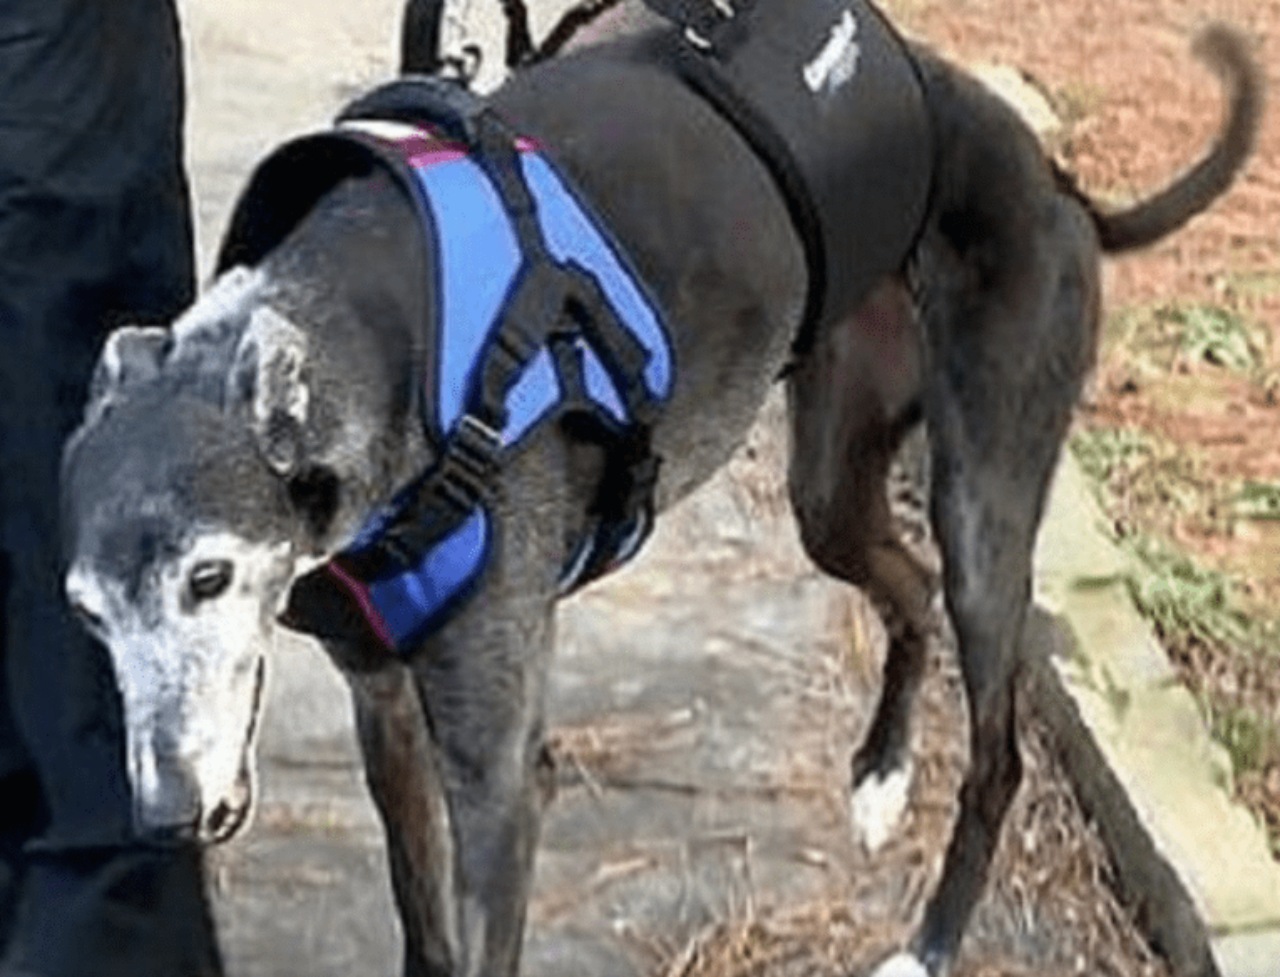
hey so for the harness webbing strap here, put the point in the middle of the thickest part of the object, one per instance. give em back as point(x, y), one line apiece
point(710, 25)
point(712, 28)
point(624, 354)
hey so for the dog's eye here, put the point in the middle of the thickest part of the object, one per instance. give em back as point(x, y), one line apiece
point(209, 579)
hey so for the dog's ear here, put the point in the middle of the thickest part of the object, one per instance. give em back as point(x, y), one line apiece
point(269, 378)
point(314, 493)
point(131, 354)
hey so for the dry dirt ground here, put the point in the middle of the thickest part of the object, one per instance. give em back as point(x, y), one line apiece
point(1136, 108)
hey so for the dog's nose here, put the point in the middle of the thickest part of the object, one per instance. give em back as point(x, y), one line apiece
point(177, 811)
point(166, 797)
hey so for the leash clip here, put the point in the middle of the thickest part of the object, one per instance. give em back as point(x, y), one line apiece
point(702, 20)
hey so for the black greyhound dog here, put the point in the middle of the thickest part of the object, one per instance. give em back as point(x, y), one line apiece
point(221, 461)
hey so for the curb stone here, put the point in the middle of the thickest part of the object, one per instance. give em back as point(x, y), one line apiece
point(1192, 863)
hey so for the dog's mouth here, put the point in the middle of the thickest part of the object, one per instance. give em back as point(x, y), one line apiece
point(230, 815)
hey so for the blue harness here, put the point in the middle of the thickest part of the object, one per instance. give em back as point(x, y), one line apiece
point(538, 317)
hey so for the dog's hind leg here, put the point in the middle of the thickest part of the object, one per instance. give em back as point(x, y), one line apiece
point(902, 590)
point(1009, 304)
point(402, 771)
point(851, 401)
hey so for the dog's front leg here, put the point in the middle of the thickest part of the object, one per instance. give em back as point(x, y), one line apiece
point(483, 689)
point(402, 770)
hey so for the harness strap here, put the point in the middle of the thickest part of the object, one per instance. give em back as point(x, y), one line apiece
point(709, 25)
point(535, 302)
point(622, 352)
point(520, 46)
point(713, 29)
point(623, 514)
point(454, 109)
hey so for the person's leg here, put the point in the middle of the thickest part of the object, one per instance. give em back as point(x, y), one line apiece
point(90, 891)
point(94, 230)
point(22, 813)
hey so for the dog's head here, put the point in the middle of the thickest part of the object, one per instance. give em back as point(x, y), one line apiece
point(185, 514)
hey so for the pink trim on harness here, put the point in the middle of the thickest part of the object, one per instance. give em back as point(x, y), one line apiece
point(367, 607)
point(426, 148)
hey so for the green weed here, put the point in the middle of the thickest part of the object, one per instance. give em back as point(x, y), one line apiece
point(1105, 452)
point(1229, 654)
point(1075, 101)
point(1147, 481)
point(1217, 336)
point(1194, 607)
point(1251, 284)
point(1185, 600)
point(1252, 741)
point(1161, 337)
point(1256, 500)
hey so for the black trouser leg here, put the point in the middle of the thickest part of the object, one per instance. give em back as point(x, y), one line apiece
point(95, 230)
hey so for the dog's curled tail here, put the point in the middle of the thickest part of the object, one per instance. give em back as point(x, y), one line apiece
point(1226, 51)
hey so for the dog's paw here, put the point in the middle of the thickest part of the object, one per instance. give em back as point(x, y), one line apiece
point(878, 804)
point(901, 965)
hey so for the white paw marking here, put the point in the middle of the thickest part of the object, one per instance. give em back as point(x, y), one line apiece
point(901, 965)
point(878, 805)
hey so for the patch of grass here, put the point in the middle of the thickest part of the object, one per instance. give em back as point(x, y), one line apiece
point(1107, 452)
point(1226, 652)
point(1252, 741)
point(1163, 337)
point(1219, 337)
point(1075, 101)
point(1153, 486)
point(1187, 601)
point(1143, 333)
point(1256, 500)
point(1253, 284)
point(1226, 655)
point(1151, 483)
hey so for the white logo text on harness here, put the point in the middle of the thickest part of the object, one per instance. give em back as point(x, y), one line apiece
point(837, 62)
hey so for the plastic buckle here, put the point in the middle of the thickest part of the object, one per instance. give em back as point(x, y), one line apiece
point(469, 462)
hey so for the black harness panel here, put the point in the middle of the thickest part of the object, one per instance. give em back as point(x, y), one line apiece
point(826, 94)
